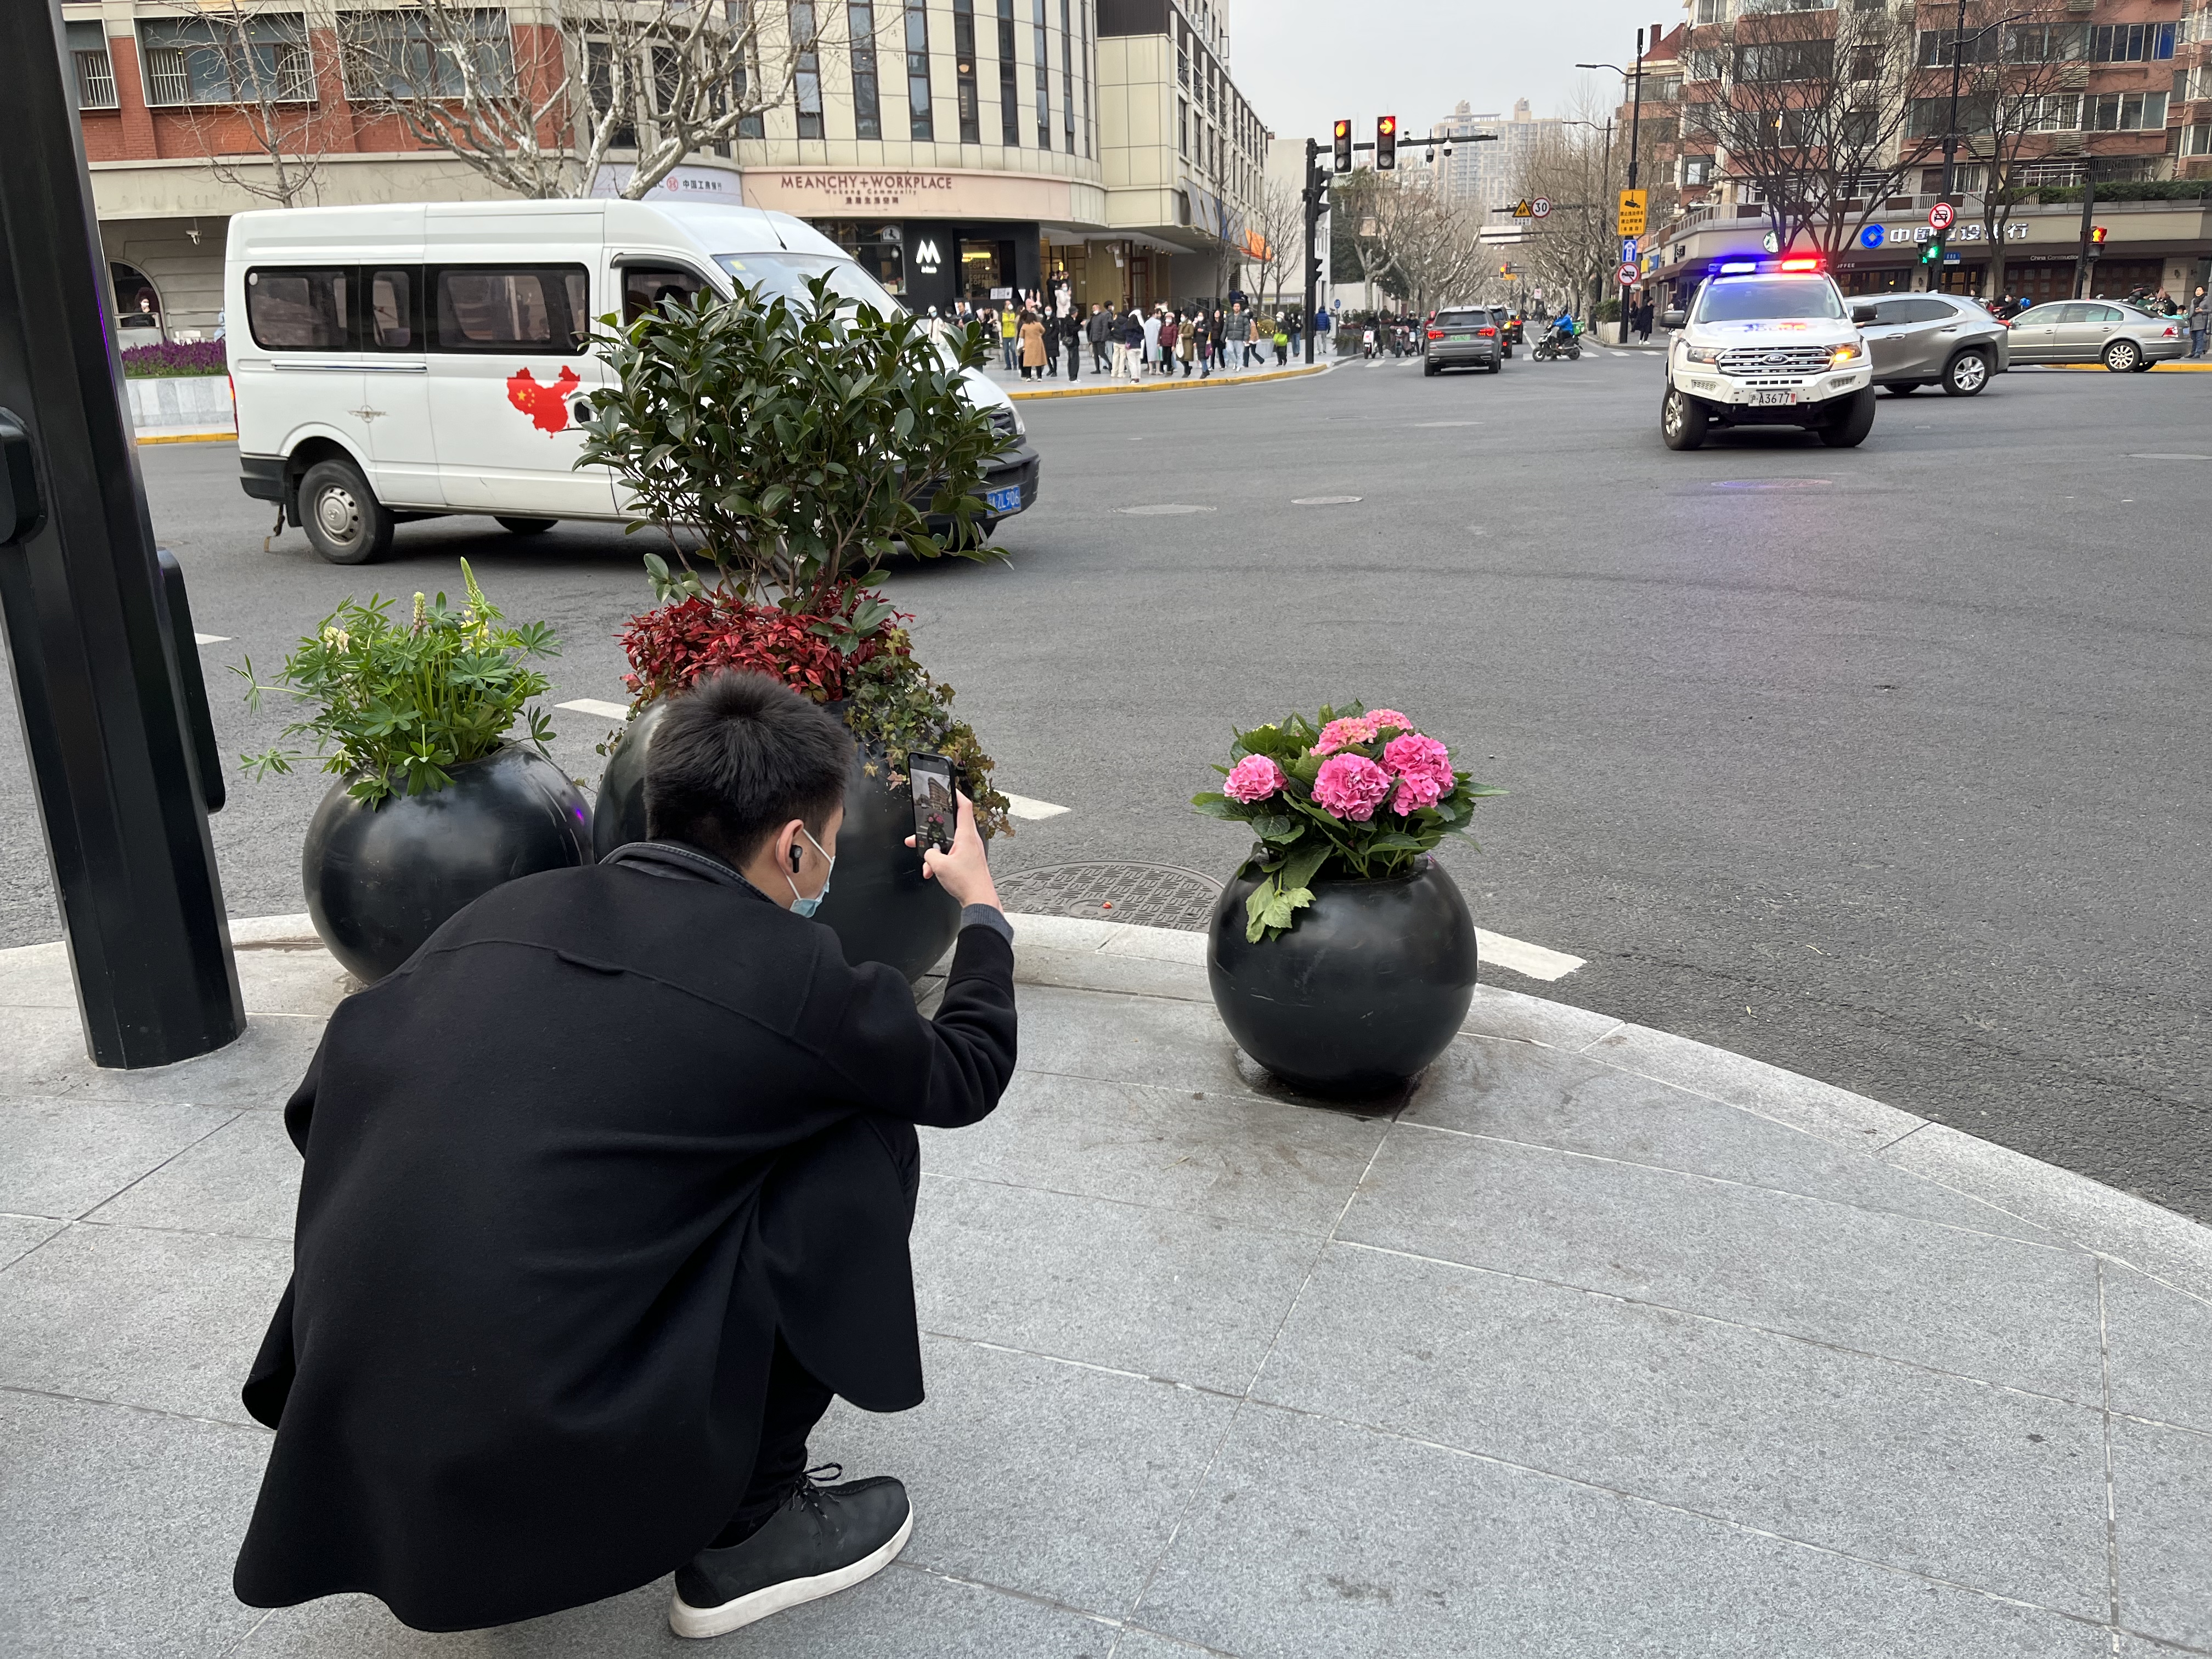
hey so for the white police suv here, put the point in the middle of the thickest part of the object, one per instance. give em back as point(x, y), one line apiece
point(1767, 342)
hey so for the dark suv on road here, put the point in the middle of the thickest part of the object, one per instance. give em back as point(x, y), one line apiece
point(1465, 337)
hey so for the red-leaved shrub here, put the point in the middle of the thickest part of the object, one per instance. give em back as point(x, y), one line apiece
point(671, 647)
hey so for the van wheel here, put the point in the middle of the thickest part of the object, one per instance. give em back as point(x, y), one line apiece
point(1848, 427)
point(345, 521)
point(526, 526)
point(1968, 373)
point(1682, 421)
point(2121, 356)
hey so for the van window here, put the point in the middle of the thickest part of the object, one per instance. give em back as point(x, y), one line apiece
point(646, 286)
point(788, 273)
point(300, 310)
point(394, 319)
point(536, 309)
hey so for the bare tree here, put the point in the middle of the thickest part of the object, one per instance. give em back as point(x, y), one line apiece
point(538, 108)
point(2022, 83)
point(1573, 250)
point(1395, 233)
point(1812, 110)
point(1272, 236)
point(243, 72)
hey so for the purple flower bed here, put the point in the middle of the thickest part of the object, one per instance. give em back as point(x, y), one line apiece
point(197, 357)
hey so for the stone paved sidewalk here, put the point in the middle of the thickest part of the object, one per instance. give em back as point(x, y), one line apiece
point(1599, 1343)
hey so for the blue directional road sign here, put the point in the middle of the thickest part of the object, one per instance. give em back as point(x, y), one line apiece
point(1628, 250)
point(1870, 237)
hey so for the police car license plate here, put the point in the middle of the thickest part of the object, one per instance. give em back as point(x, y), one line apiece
point(1774, 397)
point(1008, 500)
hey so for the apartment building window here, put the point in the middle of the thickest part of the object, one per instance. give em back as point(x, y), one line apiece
point(2130, 43)
point(1183, 54)
point(389, 54)
point(1697, 170)
point(1712, 11)
point(610, 88)
point(194, 60)
point(2057, 112)
point(963, 65)
point(1010, 97)
point(739, 15)
point(2124, 112)
point(868, 105)
point(807, 73)
point(1084, 7)
point(2043, 42)
point(921, 124)
point(2197, 140)
point(1183, 128)
point(1067, 48)
point(96, 71)
point(1042, 41)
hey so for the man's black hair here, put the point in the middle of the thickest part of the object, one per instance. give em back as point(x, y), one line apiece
point(737, 757)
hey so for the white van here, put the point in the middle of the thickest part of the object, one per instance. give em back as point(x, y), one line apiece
point(400, 362)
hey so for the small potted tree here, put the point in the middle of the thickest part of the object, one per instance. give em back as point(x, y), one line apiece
point(1342, 955)
point(435, 804)
point(785, 451)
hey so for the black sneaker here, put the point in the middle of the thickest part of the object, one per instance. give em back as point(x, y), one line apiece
point(824, 1539)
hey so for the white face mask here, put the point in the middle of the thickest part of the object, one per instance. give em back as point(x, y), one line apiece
point(800, 904)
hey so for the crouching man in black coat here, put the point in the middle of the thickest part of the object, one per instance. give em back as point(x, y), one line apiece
point(607, 1192)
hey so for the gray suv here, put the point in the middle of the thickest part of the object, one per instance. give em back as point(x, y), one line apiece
point(1932, 339)
point(1465, 337)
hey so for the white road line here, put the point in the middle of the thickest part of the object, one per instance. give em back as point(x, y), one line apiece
point(1448, 423)
point(1533, 960)
point(612, 711)
point(1022, 806)
point(211, 639)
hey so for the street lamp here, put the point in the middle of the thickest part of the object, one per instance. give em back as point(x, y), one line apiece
point(1604, 171)
point(1635, 106)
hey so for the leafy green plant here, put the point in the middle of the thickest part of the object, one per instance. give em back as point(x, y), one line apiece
point(799, 443)
point(890, 700)
point(403, 703)
point(1361, 793)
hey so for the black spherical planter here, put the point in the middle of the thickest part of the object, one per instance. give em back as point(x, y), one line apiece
point(880, 904)
point(1363, 992)
point(382, 880)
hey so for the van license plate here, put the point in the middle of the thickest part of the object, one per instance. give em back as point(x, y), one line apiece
point(1008, 500)
point(1774, 397)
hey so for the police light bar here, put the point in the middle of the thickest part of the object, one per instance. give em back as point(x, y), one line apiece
point(1739, 267)
point(1810, 263)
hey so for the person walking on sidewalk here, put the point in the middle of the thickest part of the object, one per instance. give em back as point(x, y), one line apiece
point(1152, 327)
point(1323, 324)
point(1098, 329)
point(1051, 320)
point(1170, 331)
point(606, 1196)
point(1009, 334)
point(1187, 329)
point(1132, 360)
point(2200, 323)
point(1217, 341)
point(1282, 343)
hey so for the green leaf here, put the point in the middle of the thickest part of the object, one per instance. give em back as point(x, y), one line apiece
point(1303, 866)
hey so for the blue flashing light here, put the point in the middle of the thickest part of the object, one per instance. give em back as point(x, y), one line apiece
point(1739, 267)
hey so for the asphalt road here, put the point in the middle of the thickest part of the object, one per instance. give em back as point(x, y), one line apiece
point(1889, 766)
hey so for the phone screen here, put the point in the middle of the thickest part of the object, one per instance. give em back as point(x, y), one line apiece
point(936, 810)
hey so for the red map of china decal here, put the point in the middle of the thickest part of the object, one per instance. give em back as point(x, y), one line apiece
point(546, 406)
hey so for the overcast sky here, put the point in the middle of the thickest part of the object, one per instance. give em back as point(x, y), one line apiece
point(1304, 63)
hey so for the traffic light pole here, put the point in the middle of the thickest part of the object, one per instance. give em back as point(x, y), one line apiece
point(119, 763)
point(2085, 257)
point(1315, 186)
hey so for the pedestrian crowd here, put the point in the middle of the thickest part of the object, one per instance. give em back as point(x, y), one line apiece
point(1047, 336)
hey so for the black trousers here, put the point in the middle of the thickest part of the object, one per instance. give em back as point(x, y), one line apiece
point(796, 1402)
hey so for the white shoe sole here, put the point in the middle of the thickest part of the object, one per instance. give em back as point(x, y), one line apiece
point(687, 1620)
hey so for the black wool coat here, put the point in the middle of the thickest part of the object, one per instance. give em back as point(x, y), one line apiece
point(567, 1173)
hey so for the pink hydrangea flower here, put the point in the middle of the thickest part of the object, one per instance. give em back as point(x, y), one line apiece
point(1254, 778)
point(1350, 787)
point(1423, 768)
point(1359, 728)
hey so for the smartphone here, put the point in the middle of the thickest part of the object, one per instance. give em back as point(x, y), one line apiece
point(936, 802)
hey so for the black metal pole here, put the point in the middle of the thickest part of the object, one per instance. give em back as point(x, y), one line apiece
point(1314, 187)
point(1636, 107)
point(96, 664)
point(2084, 255)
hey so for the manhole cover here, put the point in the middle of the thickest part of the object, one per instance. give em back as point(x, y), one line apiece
point(1161, 510)
point(1148, 895)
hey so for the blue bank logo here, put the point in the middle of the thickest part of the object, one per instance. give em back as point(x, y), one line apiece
point(1870, 237)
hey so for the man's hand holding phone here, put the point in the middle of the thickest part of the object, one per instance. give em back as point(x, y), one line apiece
point(965, 870)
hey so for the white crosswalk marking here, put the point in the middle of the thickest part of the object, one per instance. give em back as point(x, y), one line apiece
point(1022, 806)
point(211, 639)
point(1534, 961)
point(605, 710)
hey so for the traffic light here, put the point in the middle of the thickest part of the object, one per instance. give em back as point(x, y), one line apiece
point(2096, 241)
point(1931, 251)
point(1386, 143)
point(1343, 143)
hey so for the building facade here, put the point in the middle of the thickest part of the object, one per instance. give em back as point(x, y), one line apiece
point(961, 149)
point(2131, 101)
point(1480, 177)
